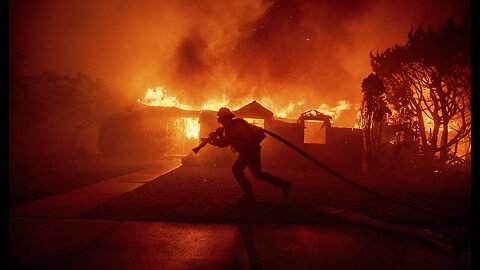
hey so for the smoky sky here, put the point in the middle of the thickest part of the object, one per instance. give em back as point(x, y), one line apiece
point(315, 52)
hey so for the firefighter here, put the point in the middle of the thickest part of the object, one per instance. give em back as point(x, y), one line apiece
point(245, 139)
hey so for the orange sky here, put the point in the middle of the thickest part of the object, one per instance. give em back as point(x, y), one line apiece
point(309, 52)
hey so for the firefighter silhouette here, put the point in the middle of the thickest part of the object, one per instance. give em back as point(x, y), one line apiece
point(245, 139)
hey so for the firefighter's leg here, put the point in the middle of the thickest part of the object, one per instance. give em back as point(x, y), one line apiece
point(254, 164)
point(237, 169)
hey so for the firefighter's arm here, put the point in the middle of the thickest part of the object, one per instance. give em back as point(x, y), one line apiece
point(222, 142)
point(219, 139)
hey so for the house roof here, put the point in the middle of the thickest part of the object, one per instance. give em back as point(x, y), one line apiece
point(315, 115)
point(254, 110)
point(166, 111)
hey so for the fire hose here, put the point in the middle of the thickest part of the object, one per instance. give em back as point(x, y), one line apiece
point(343, 178)
point(367, 190)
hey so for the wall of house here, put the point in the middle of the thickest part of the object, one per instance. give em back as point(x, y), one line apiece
point(341, 152)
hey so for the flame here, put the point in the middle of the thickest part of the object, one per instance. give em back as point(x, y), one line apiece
point(159, 96)
point(336, 111)
point(215, 104)
point(192, 128)
point(280, 112)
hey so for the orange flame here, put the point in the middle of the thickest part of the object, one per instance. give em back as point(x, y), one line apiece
point(192, 128)
point(189, 126)
point(336, 111)
point(158, 96)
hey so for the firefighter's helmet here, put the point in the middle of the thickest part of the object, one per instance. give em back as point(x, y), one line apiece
point(224, 113)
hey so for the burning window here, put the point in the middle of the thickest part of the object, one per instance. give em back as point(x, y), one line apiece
point(256, 121)
point(189, 126)
point(314, 132)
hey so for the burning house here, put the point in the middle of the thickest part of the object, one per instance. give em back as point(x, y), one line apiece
point(338, 148)
point(179, 127)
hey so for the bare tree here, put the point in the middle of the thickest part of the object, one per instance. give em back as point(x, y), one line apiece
point(429, 79)
point(373, 116)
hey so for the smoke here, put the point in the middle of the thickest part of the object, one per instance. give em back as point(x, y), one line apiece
point(313, 53)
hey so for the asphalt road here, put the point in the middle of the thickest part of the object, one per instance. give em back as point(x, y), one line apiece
point(189, 218)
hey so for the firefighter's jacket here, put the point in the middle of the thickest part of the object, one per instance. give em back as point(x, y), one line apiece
point(238, 135)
